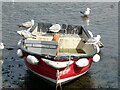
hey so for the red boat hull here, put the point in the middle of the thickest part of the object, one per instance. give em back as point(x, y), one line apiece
point(56, 76)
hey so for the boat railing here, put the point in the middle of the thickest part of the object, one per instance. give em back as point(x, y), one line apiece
point(85, 31)
point(65, 28)
point(41, 47)
point(44, 27)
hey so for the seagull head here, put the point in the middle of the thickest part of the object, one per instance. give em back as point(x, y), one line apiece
point(98, 37)
point(88, 9)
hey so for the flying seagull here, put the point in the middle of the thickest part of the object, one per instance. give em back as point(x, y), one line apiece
point(55, 28)
point(1, 46)
point(86, 13)
point(27, 24)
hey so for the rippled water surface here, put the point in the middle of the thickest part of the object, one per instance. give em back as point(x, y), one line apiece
point(103, 21)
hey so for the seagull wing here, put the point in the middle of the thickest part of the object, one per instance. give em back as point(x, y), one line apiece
point(55, 28)
point(27, 24)
point(85, 13)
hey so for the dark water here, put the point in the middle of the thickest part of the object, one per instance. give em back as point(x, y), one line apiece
point(103, 21)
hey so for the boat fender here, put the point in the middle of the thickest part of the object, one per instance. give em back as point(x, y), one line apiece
point(57, 65)
point(32, 59)
point(96, 58)
point(82, 62)
point(19, 53)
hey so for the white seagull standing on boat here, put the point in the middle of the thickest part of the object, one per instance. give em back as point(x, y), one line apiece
point(86, 13)
point(1, 45)
point(55, 28)
point(94, 40)
point(27, 24)
point(25, 33)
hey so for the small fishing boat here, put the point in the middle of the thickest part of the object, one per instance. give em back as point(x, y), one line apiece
point(59, 53)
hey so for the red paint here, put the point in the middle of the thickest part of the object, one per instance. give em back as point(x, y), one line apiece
point(43, 69)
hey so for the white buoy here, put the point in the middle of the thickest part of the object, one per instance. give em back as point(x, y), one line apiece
point(19, 53)
point(96, 58)
point(32, 59)
point(57, 65)
point(82, 62)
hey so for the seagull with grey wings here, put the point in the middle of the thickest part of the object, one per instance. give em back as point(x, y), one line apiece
point(85, 13)
point(28, 25)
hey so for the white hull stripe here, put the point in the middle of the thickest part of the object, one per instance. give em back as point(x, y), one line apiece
point(59, 81)
point(70, 78)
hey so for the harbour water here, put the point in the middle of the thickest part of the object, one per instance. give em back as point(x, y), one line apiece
point(103, 20)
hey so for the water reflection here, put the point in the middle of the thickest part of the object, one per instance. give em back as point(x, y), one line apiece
point(33, 81)
point(86, 19)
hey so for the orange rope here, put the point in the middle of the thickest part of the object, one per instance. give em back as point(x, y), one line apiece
point(56, 38)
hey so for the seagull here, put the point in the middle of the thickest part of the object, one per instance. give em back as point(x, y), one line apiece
point(94, 40)
point(1, 46)
point(55, 28)
point(27, 24)
point(25, 33)
point(86, 13)
point(86, 19)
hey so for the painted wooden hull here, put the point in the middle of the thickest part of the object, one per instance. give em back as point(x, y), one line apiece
point(59, 71)
point(56, 76)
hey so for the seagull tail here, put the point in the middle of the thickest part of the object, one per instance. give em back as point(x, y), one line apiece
point(20, 25)
point(81, 12)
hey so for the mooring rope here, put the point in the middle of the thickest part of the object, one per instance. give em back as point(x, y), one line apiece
point(58, 76)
